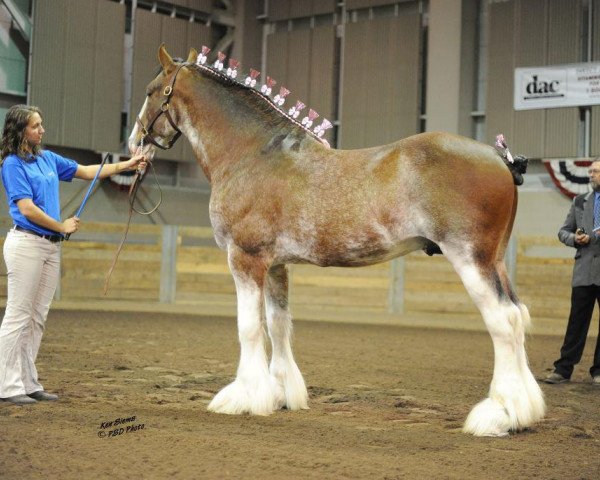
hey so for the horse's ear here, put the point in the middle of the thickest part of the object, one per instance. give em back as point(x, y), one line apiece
point(165, 59)
point(192, 56)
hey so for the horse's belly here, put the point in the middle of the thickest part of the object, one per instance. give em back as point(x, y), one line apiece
point(370, 256)
point(351, 254)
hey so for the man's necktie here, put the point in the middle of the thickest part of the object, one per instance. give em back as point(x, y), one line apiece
point(596, 213)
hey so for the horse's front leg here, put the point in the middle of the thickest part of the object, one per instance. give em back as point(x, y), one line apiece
point(254, 390)
point(279, 320)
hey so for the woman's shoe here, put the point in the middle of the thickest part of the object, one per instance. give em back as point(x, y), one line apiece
point(20, 400)
point(42, 396)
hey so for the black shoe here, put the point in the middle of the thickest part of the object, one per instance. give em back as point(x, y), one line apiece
point(556, 378)
point(42, 396)
point(20, 400)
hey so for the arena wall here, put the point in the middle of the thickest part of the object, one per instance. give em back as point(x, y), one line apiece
point(379, 69)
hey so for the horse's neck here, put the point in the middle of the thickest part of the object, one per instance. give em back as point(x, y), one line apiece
point(221, 129)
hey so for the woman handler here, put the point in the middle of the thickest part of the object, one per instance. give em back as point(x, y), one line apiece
point(32, 247)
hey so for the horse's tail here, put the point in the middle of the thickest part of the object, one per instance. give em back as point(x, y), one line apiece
point(518, 167)
point(509, 227)
point(525, 323)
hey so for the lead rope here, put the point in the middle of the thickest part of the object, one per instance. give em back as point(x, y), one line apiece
point(133, 189)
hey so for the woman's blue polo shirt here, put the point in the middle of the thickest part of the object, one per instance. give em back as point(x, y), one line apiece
point(36, 178)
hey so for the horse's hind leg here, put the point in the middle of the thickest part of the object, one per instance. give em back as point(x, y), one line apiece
point(279, 321)
point(538, 407)
point(514, 400)
point(254, 389)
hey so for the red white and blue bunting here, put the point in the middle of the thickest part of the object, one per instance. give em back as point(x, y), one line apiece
point(570, 176)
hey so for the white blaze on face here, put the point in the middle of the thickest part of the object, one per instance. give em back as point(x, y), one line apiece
point(132, 143)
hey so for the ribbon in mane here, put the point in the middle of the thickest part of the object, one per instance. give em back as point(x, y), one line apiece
point(265, 91)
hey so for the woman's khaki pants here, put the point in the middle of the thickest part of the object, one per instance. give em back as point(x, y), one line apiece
point(33, 265)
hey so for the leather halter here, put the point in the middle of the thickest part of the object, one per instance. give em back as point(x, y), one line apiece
point(164, 109)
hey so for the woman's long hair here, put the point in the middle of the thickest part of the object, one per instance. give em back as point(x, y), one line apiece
point(13, 136)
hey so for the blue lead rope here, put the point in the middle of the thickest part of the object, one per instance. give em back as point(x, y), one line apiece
point(89, 192)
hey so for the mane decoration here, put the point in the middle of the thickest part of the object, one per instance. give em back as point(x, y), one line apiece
point(251, 81)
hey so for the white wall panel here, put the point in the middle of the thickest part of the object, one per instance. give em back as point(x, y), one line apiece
point(303, 61)
point(380, 80)
point(595, 141)
point(77, 70)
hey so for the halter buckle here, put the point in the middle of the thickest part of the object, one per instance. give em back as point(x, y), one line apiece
point(164, 109)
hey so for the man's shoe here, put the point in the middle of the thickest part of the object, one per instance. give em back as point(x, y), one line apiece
point(596, 380)
point(20, 400)
point(42, 396)
point(555, 379)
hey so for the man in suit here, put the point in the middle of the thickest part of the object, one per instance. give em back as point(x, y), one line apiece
point(581, 230)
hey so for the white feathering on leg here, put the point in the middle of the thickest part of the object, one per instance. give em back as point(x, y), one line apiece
point(254, 390)
point(514, 400)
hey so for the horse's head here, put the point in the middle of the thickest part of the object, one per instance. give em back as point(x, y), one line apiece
point(156, 124)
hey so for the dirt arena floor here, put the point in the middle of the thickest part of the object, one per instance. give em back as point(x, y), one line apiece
point(386, 403)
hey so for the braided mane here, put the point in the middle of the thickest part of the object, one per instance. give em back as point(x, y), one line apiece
point(258, 98)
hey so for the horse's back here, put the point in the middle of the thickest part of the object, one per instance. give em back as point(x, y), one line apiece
point(439, 163)
point(446, 149)
point(431, 150)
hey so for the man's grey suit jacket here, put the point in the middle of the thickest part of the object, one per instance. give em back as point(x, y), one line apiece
point(587, 257)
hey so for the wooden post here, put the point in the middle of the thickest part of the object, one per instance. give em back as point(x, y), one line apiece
point(510, 257)
point(168, 264)
point(396, 288)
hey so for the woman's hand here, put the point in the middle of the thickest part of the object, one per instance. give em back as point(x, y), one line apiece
point(70, 225)
point(89, 172)
point(138, 162)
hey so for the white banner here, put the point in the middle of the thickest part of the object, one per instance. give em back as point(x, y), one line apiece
point(557, 86)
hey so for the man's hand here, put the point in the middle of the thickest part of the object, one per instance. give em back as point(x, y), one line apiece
point(581, 238)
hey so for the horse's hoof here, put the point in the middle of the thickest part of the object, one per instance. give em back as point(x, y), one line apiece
point(488, 419)
point(299, 403)
point(261, 397)
point(293, 387)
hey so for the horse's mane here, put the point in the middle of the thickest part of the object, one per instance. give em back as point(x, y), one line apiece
point(260, 101)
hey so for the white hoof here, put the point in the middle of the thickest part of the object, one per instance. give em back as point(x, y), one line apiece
point(257, 397)
point(488, 419)
point(290, 379)
point(537, 405)
point(296, 398)
point(521, 399)
point(511, 406)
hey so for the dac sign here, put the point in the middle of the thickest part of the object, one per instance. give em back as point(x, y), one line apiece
point(544, 87)
point(557, 86)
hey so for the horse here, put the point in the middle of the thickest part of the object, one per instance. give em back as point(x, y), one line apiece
point(280, 195)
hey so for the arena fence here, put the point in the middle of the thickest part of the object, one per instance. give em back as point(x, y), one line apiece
point(181, 267)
